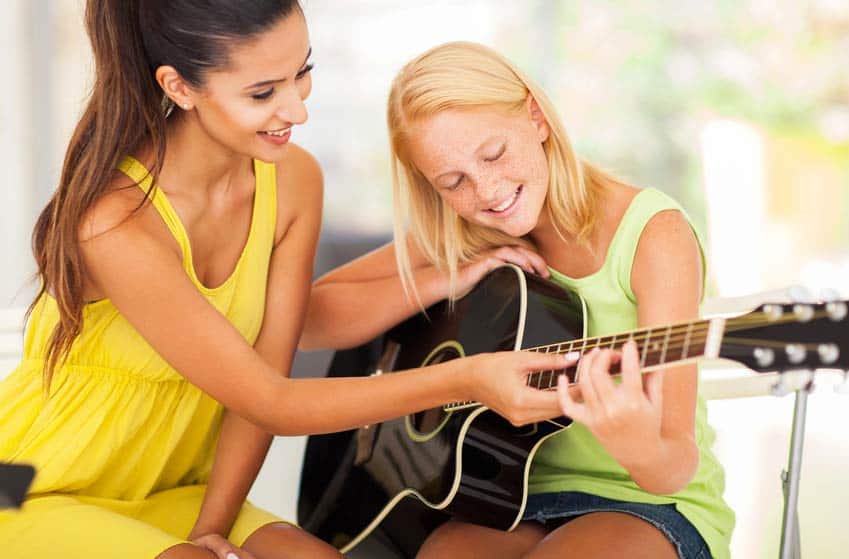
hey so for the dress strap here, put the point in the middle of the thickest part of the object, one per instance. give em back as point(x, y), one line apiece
point(144, 179)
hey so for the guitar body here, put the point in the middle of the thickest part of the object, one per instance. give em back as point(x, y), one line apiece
point(382, 489)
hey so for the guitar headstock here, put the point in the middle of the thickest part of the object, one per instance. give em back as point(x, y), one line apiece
point(779, 337)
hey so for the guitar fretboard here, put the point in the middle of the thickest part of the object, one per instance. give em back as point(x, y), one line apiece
point(658, 346)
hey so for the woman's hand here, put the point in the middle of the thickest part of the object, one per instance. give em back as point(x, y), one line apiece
point(500, 382)
point(473, 272)
point(221, 547)
point(624, 417)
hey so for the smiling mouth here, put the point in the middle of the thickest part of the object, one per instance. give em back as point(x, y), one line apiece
point(278, 133)
point(508, 203)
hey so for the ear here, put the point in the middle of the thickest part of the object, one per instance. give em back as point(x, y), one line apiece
point(175, 87)
point(538, 118)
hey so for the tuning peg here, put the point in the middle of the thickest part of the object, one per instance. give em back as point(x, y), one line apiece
point(773, 312)
point(803, 312)
point(829, 353)
point(795, 353)
point(843, 387)
point(764, 356)
point(836, 310)
point(781, 387)
point(800, 294)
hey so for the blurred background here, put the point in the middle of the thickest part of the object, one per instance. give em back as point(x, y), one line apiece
point(740, 110)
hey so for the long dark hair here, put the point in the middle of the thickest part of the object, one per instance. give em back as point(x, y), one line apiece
point(127, 109)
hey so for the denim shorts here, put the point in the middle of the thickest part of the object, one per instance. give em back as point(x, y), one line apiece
point(568, 505)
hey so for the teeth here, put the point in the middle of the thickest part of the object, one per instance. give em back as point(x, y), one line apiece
point(506, 204)
point(276, 132)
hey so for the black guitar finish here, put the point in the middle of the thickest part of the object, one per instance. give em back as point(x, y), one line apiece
point(342, 496)
point(382, 489)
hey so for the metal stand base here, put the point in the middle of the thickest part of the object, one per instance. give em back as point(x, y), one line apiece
point(790, 543)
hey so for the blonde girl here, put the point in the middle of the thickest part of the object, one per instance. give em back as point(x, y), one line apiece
point(484, 172)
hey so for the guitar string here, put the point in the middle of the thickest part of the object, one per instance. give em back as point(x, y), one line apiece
point(695, 326)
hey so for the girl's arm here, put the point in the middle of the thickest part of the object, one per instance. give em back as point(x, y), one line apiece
point(144, 278)
point(363, 298)
point(649, 427)
point(242, 446)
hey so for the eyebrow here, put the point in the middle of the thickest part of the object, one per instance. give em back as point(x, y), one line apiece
point(278, 80)
point(480, 147)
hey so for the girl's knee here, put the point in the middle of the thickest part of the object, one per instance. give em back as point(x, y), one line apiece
point(278, 540)
point(186, 551)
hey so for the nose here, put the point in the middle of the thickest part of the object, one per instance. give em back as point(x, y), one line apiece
point(292, 108)
point(487, 190)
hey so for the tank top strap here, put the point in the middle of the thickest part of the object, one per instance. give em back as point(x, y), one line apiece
point(144, 179)
point(644, 206)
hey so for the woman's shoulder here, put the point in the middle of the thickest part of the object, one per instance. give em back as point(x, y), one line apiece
point(122, 204)
point(300, 187)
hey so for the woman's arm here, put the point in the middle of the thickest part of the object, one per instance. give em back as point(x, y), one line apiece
point(145, 280)
point(648, 424)
point(242, 446)
point(363, 298)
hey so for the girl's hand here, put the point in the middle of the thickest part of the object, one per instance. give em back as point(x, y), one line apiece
point(624, 417)
point(473, 272)
point(500, 382)
point(221, 547)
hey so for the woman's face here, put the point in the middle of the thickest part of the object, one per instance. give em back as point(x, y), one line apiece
point(487, 164)
point(251, 105)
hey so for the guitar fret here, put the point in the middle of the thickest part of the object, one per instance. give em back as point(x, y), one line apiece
point(665, 344)
point(645, 351)
point(686, 348)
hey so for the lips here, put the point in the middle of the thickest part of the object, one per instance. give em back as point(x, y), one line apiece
point(507, 203)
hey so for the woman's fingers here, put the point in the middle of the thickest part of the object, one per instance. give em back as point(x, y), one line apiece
point(221, 547)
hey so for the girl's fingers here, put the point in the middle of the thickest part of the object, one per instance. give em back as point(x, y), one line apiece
point(570, 407)
point(508, 254)
point(537, 262)
point(654, 388)
point(631, 376)
point(600, 376)
point(585, 379)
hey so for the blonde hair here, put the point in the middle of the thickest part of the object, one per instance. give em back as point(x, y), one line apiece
point(468, 75)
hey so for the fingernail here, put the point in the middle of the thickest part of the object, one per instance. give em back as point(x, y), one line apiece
point(572, 355)
point(232, 555)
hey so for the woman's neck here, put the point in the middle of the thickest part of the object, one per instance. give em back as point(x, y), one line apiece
point(195, 164)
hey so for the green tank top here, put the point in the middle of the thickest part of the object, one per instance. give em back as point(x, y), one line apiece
point(574, 460)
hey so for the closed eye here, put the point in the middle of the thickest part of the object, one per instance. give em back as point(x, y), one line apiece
point(306, 70)
point(456, 185)
point(263, 95)
point(498, 155)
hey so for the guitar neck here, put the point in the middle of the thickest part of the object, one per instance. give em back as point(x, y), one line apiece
point(659, 347)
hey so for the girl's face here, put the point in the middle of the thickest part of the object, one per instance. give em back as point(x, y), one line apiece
point(251, 105)
point(487, 164)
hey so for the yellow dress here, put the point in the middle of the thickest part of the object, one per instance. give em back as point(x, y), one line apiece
point(124, 445)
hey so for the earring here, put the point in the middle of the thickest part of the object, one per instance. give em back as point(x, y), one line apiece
point(186, 106)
